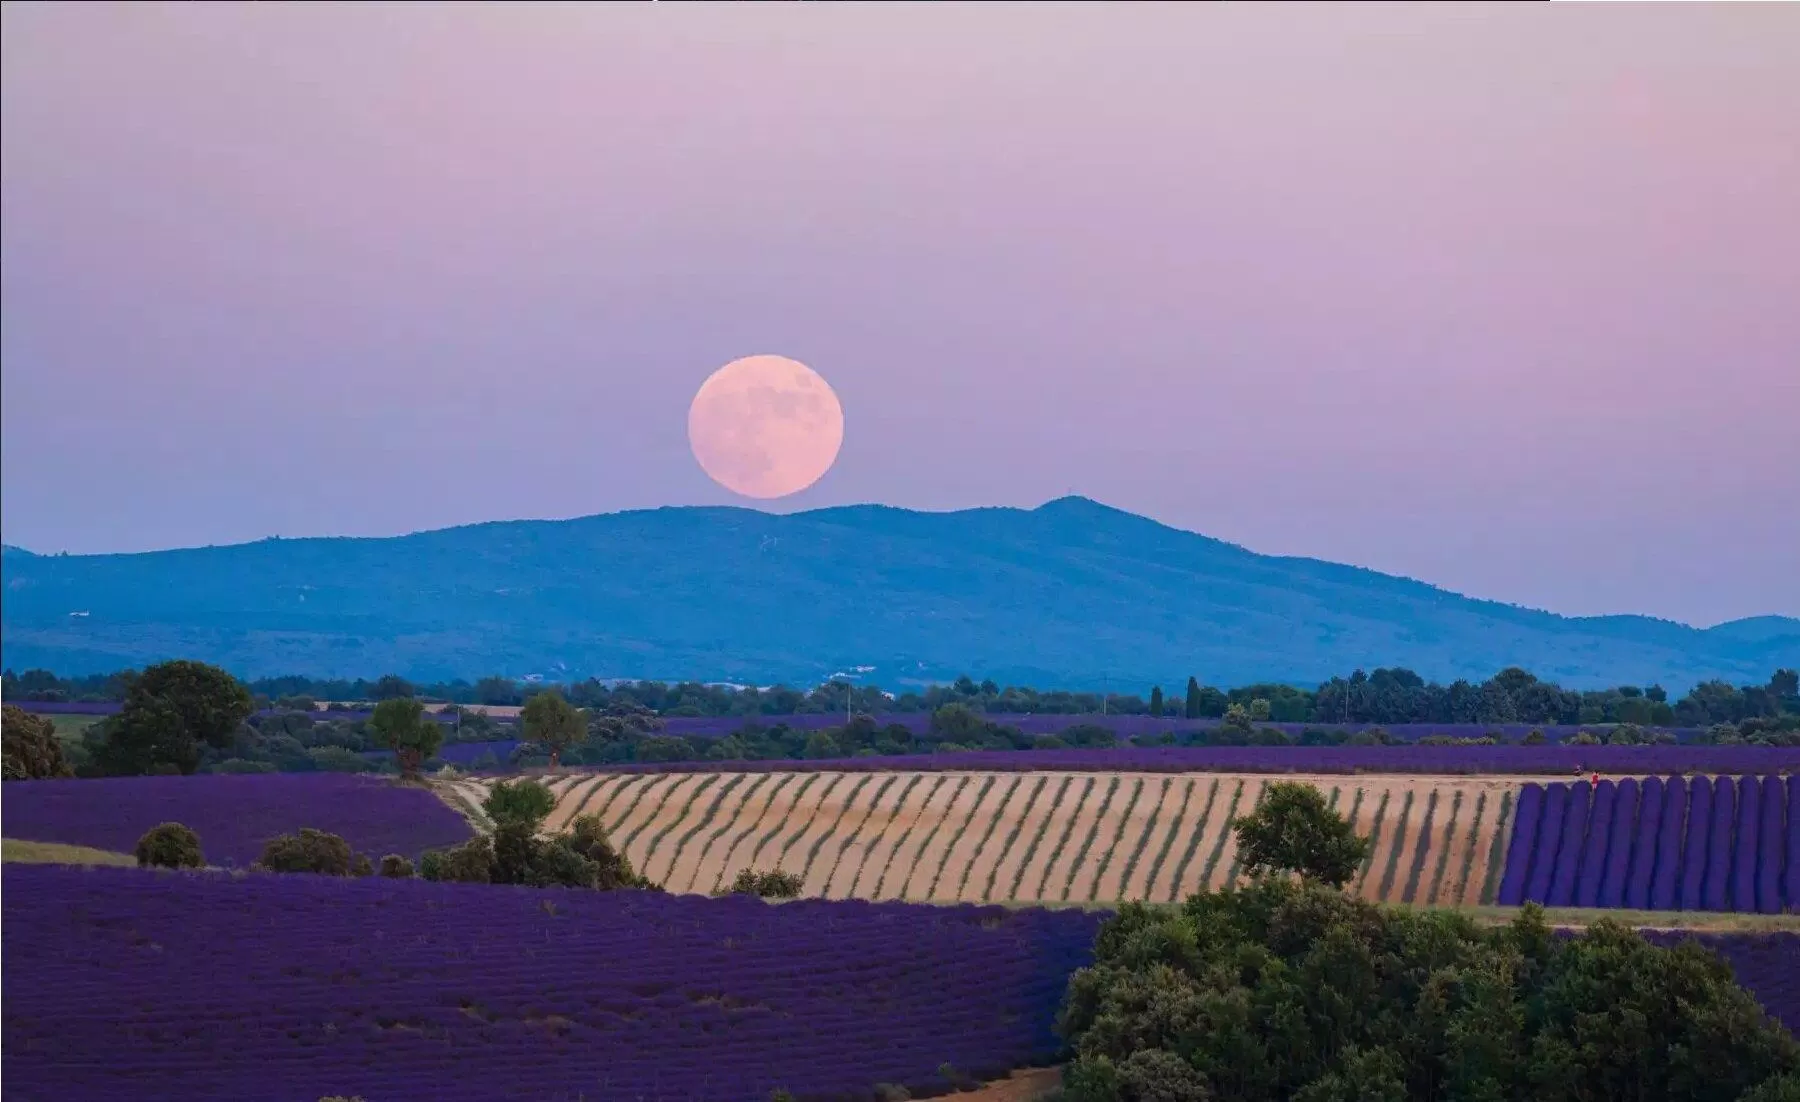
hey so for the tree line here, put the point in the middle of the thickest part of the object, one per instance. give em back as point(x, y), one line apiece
point(1388, 696)
point(187, 717)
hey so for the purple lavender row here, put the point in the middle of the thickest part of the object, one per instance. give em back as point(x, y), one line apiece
point(1689, 844)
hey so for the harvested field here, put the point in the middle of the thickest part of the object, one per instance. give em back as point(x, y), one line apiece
point(1022, 837)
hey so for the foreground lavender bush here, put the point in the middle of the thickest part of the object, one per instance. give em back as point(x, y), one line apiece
point(290, 988)
point(233, 814)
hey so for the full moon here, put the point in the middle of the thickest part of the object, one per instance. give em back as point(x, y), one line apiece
point(765, 426)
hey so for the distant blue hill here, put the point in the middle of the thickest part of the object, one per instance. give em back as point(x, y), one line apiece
point(1072, 594)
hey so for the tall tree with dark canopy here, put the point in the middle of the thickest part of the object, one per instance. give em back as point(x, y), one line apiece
point(553, 723)
point(32, 751)
point(1294, 830)
point(171, 711)
point(400, 724)
point(1192, 711)
point(1156, 700)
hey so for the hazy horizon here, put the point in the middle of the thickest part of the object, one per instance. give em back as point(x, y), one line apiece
point(1496, 297)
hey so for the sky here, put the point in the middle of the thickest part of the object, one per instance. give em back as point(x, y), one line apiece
point(1501, 297)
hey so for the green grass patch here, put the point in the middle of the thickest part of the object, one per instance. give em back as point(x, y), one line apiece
point(1036, 839)
point(1063, 839)
point(987, 891)
point(974, 809)
point(1421, 849)
point(1087, 843)
point(1195, 837)
point(1497, 852)
point(56, 853)
point(900, 843)
point(1106, 858)
point(1131, 862)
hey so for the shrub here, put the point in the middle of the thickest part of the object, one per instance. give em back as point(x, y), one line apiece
point(525, 802)
point(170, 846)
point(396, 867)
point(472, 862)
point(362, 866)
point(314, 851)
point(769, 885)
point(31, 748)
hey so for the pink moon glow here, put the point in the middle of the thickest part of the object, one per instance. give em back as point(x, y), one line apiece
point(765, 426)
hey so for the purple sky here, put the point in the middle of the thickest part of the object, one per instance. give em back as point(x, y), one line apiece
point(1500, 297)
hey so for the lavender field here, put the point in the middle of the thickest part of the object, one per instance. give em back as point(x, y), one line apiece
point(233, 814)
point(281, 988)
point(1676, 843)
point(1499, 760)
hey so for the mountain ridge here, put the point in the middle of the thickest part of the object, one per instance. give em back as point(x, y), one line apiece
point(1072, 593)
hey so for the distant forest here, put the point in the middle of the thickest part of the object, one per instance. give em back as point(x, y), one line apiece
point(1385, 697)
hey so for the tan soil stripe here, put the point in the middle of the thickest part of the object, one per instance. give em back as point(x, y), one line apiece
point(725, 861)
point(905, 855)
point(838, 847)
point(1082, 819)
point(732, 816)
point(1158, 855)
point(984, 853)
point(867, 837)
point(936, 845)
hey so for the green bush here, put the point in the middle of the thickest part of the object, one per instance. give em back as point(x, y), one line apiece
point(1289, 991)
point(768, 885)
point(313, 851)
point(396, 867)
point(362, 866)
point(170, 846)
point(244, 765)
point(472, 862)
point(526, 802)
point(31, 748)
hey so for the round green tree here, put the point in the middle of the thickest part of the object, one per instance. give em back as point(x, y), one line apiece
point(170, 846)
point(1293, 829)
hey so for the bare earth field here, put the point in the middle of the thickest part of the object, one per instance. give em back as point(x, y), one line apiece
point(1058, 838)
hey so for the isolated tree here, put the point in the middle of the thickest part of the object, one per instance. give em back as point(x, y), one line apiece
point(31, 748)
point(396, 867)
point(401, 725)
point(524, 801)
point(1294, 830)
point(170, 846)
point(1156, 700)
point(1237, 720)
point(553, 723)
point(172, 710)
point(1192, 708)
point(1259, 710)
